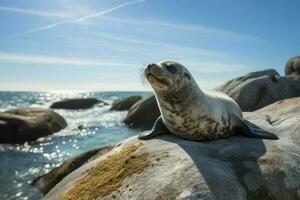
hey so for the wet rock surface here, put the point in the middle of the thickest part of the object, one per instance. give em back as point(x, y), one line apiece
point(143, 113)
point(28, 124)
point(125, 104)
point(78, 103)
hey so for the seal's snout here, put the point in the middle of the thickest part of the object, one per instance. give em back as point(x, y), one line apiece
point(150, 66)
point(155, 75)
point(153, 69)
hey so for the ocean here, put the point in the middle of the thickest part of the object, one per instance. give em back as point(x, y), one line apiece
point(21, 163)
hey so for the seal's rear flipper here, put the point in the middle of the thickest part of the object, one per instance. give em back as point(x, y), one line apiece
point(158, 129)
point(255, 132)
point(259, 133)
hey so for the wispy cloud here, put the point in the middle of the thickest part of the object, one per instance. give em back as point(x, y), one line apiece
point(34, 12)
point(212, 67)
point(39, 59)
point(80, 19)
point(98, 41)
point(108, 10)
point(195, 66)
point(184, 27)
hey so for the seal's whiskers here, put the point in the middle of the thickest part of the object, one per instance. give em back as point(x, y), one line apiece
point(143, 78)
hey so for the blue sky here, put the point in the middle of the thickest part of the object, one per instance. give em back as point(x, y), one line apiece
point(103, 44)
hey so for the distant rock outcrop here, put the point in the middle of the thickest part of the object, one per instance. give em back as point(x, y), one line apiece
point(46, 182)
point(168, 167)
point(28, 124)
point(258, 89)
point(143, 113)
point(292, 67)
point(125, 104)
point(78, 103)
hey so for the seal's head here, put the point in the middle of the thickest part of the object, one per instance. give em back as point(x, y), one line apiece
point(167, 76)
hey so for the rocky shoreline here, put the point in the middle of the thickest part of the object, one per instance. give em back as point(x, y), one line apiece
point(244, 168)
point(169, 167)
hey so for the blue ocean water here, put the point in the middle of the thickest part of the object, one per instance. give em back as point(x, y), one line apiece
point(20, 164)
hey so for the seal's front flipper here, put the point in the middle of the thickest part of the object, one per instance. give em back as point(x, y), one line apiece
point(147, 135)
point(158, 129)
point(254, 132)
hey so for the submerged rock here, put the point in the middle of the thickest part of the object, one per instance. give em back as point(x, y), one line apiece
point(78, 103)
point(259, 89)
point(292, 67)
point(144, 113)
point(168, 167)
point(126, 103)
point(28, 124)
point(46, 182)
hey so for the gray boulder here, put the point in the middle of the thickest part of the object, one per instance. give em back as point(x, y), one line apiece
point(46, 182)
point(259, 89)
point(143, 113)
point(28, 124)
point(292, 67)
point(125, 104)
point(78, 103)
point(168, 167)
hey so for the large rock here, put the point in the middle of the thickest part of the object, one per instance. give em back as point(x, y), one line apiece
point(125, 104)
point(28, 124)
point(292, 67)
point(144, 113)
point(258, 89)
point(78, 103)
point(46, 182)
point(168, 167)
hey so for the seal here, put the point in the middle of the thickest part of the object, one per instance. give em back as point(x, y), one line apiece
point(190, 113)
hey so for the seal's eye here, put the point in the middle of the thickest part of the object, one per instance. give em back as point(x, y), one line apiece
point(187, 75)
point(171, 69)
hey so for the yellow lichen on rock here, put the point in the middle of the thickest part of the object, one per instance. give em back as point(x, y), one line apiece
point(108, 175)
